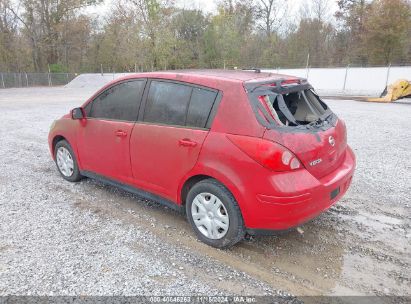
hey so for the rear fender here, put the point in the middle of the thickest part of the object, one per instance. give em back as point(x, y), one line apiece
point(222, 160)
point(219, 174)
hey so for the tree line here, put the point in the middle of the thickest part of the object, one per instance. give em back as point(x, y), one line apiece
point(142, 35)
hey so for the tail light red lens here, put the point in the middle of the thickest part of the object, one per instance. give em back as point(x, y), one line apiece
point(286, 82)
point(291, 81)
point(269, 154)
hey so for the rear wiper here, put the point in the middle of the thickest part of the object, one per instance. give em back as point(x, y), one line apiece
point(316, 122)
point(328, 116)
point(321, 120)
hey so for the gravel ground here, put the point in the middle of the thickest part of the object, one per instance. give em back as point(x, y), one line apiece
point(59, 238)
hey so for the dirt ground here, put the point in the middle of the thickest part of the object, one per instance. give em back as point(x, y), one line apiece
point(59, 238)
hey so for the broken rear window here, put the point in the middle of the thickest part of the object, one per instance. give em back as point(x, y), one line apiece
point(291, 107)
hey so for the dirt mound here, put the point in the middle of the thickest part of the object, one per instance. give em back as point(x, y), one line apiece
point(92, 80)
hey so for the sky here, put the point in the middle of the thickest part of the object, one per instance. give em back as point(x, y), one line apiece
point(208, 6)
point(205, 5)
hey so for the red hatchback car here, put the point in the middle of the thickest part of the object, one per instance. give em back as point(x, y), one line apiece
point(239, 151)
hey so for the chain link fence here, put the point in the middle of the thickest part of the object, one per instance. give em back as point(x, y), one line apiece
point(21, 80)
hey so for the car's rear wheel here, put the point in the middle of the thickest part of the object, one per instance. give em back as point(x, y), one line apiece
point(214, 214)
point(66, 161)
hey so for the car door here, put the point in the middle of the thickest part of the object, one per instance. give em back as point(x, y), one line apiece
point(104, 137)
point(165, 144)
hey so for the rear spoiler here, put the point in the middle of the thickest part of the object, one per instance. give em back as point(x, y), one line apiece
point(279, 86)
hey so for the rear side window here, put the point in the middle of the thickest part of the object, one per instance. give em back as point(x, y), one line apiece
point(178, 104)
point(200, 106)
point(120, 102)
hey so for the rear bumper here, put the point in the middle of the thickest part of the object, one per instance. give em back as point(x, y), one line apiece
point(302, 197)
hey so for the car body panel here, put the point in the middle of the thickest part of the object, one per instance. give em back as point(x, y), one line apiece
point(313, 149)
point(271, 200)
point(162, 155)
point(66, 128)
point(104, 147)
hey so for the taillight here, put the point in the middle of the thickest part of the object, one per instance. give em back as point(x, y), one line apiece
point(269, 154)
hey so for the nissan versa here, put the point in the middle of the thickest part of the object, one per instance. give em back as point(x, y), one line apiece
point(241, 152)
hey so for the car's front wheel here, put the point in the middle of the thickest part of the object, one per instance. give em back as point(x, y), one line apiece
point(214, 214)
point(66, 161)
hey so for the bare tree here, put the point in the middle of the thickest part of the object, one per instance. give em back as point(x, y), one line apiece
point(43, 22)
point(316, 9)
point(8, 34)
point(154, 16)
point(156, 34)
point(271, 13)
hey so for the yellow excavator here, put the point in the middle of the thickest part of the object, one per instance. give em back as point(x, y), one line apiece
point(399, 89)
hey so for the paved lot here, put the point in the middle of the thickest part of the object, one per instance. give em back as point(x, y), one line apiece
point(90, 239)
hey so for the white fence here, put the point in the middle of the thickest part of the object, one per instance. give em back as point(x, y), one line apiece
point(350, 81)
point(326, 81)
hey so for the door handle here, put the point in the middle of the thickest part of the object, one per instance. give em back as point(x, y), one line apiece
point(187, 142)
point(121, 133)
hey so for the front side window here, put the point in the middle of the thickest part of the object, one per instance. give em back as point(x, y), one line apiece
point(178, 104)
point(120, 102)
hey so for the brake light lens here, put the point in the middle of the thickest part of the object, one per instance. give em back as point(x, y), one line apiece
point(291, 81)
point(269, 154)
point(286, 82)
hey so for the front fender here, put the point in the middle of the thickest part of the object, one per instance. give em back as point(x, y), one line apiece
point(65, 128)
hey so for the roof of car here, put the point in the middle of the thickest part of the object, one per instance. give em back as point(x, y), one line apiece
point(242, 75)
point(233, 75)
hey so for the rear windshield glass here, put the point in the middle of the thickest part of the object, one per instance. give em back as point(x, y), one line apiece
point(293, 108)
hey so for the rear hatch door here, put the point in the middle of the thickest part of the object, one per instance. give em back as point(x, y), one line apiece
point(321, 151)
point(297, 118)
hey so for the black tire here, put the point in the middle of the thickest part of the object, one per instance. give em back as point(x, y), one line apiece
point(236, 230)
point(75, 176)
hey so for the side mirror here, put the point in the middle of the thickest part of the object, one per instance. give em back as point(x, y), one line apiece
point(77, 113)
